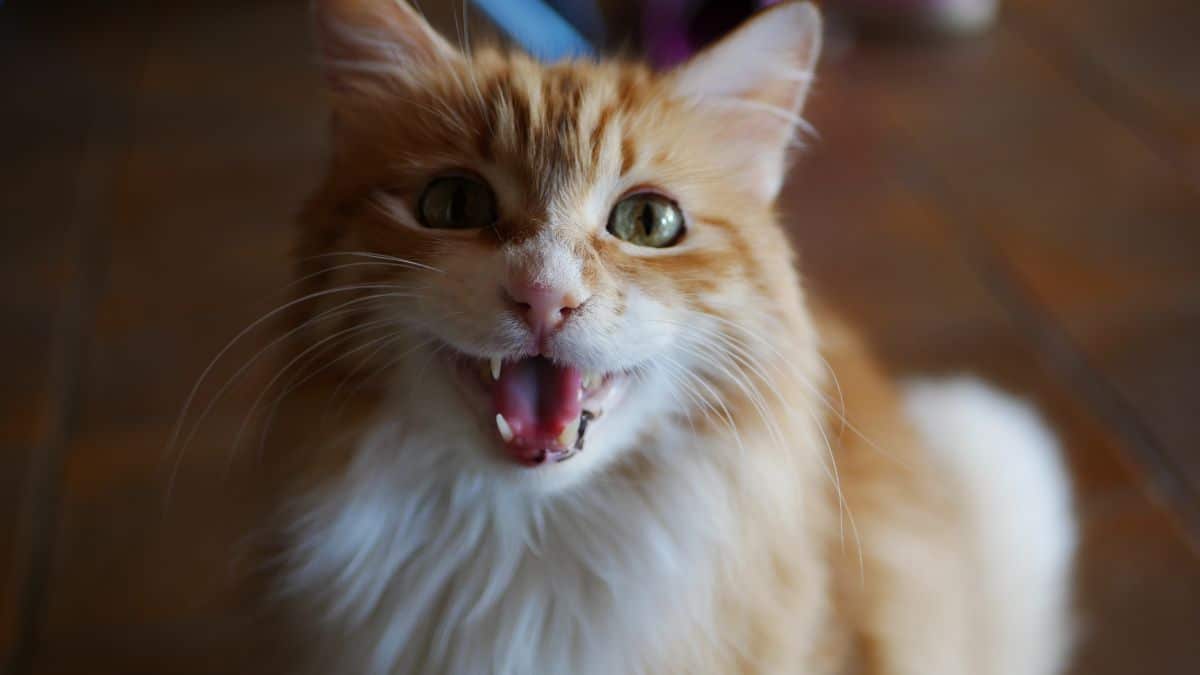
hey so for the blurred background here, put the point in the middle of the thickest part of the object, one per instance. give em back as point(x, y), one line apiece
point(1017, 197)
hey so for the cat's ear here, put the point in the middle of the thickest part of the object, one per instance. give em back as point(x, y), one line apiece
point(363, 39)
point(755, 81)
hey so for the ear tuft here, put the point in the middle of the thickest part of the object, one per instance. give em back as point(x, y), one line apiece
point(757, 79)
point(361, 38)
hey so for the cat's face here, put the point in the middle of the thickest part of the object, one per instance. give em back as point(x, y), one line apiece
point(562, 249)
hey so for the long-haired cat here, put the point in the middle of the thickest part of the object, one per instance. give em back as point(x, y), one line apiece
point(618, 436)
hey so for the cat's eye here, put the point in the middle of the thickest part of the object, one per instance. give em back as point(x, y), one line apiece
point(647, 219)
point(457, 203)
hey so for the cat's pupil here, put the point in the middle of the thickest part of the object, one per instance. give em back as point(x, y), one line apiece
point(458, 204)
point(647, 219)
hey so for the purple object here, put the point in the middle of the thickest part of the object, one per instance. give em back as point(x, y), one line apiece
point(673, 30)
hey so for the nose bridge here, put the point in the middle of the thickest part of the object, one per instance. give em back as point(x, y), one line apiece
point(544, 281)
point(546, 261)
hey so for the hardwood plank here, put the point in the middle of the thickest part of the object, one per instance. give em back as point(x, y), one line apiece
point(881, 232)
point(871, 239)
point(34, 270)
point(1133, 276)
point(14, 547)
point(200, 229)
point(48, 127)
point(72, 118)
point(1085, 230)
point(1136, 60)
point(1139, 595)
point(193, 647)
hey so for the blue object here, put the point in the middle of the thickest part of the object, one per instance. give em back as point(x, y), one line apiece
point(585, 16)
point(540, 30)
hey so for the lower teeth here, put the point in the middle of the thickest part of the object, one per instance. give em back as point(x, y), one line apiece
point(570, 435)
point(584, 418)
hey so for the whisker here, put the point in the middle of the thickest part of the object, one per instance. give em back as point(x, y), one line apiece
point(730, 349)
point(375, 255)
point(334, 268)
point(173, 446)
point(805, 381)
point(379, 344)
point(258, 400)
point(353, 392)
point(342, 309)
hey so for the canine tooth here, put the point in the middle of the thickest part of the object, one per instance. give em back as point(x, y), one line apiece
point(496, 367)
point(590, 380)
point(569, 435)
point(506, 431)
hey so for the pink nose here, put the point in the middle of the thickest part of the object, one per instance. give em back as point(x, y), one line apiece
point(543, 307)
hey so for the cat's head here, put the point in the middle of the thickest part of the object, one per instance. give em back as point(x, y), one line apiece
point(555, 260)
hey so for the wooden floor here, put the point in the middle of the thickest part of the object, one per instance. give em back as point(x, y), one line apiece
point(1026, 206)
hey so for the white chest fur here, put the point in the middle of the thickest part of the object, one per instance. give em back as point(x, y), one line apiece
point(454, 574)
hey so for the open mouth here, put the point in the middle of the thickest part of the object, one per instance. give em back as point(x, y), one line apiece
point(542, 409)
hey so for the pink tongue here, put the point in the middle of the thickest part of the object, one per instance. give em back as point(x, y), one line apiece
point(538, 400)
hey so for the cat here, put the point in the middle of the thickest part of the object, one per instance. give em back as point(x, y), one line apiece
point(618, 435)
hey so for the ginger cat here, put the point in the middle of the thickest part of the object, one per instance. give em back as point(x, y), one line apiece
point(618, 436)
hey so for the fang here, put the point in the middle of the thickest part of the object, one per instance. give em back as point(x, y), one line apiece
point(506, 431)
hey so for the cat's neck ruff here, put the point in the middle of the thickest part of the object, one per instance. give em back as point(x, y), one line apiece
point(434, 570)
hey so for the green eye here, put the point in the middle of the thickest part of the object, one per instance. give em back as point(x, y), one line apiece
point(647, 219)
point(457, 203)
